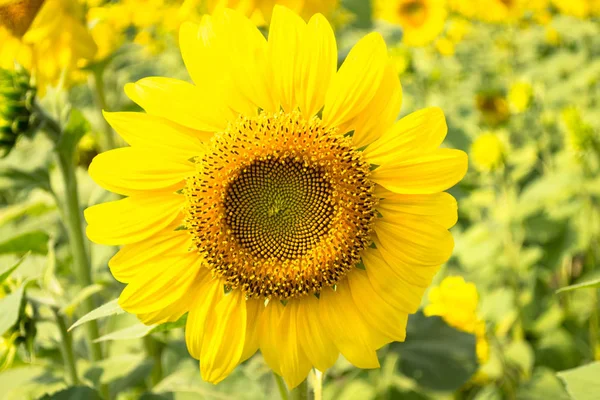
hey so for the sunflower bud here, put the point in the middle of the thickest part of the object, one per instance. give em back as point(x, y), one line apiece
point(17, 96)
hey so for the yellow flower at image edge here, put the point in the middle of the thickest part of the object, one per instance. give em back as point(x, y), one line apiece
point(456, 302)
point(487, 151)
point(52, 47)
point(251, 208)
point(421, 20)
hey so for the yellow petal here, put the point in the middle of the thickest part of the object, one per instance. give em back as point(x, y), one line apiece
point(131, 259)
point(244, 49)
point(130, 170)
point(294, 364)
point(317, 345)
point(179, 101)
point(164, 281)
point(317, 65)
point(378, 313)
point(346, 327)
point(357, 81)
point(224, 337)
point(269, 340)
point(284, 48)
point(381, 112)
point(438, 207)
point(148, 131)
point(207, 295)
point(132, 219)
point(418, 133)
point(418, 275)
point(415, 240)
point(208, 65)
point(254, 309)
point(390, 283)
point(434, 172)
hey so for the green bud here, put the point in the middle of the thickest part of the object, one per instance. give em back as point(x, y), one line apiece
point(17, 117)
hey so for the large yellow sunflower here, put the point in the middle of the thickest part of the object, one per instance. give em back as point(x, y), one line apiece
point(275, 200)
point(421, 20)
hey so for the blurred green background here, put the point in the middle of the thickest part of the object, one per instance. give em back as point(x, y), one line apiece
point(520, 87)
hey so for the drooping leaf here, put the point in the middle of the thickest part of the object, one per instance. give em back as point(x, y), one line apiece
point(594, 283)
point(140, 330)
point(105, 310)
point(9, 309)
point(6, 273)
point(436, 355)
point(136, 331)
point(83, 294)
point(13, 178)
point(35, 242)
point(582, 383)
point(74, 393)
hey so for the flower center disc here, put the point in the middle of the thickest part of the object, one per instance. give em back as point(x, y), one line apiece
point(280, 206)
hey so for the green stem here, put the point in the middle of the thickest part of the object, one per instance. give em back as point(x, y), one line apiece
point(67, 348)
point(154, 349)
point(81, 259)
point(71, 213)
point(300, 392)
point(97, 77)
point(283, 393)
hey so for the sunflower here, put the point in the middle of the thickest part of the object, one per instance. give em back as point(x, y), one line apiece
point(421, 20)
point(50, 43)
point(275, 201)
point(500, 10)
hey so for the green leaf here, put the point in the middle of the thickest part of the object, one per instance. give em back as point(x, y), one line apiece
point(136, 331)
point(180, 323)
point(594, 283)
point(9, 309)
point(105, 310)
point(6, 273)
point(35, 242)
point(435, 355)
point(74, 393)
point(582, 382)
point(140, 330)
point(86, 292)
point(72, 134)
point(12, 178)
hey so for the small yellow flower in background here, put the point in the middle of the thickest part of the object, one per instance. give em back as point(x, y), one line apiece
point(250, 208)
point(444, 46)
point(259, 11)
point(400, 58)
point(456, 301)
point(519, 96)
point(458, 29)
point(487, 152)
point(552, 36)
point(499, 10)
point(580, 136)
point(421, 20)
point(577, 8)
point(53, 46)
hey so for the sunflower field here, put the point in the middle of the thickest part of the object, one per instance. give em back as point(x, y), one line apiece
point(300, 199)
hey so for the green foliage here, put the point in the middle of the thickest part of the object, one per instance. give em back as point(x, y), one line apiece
point(435, 355)
point(10, 307)
point(582, 382)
